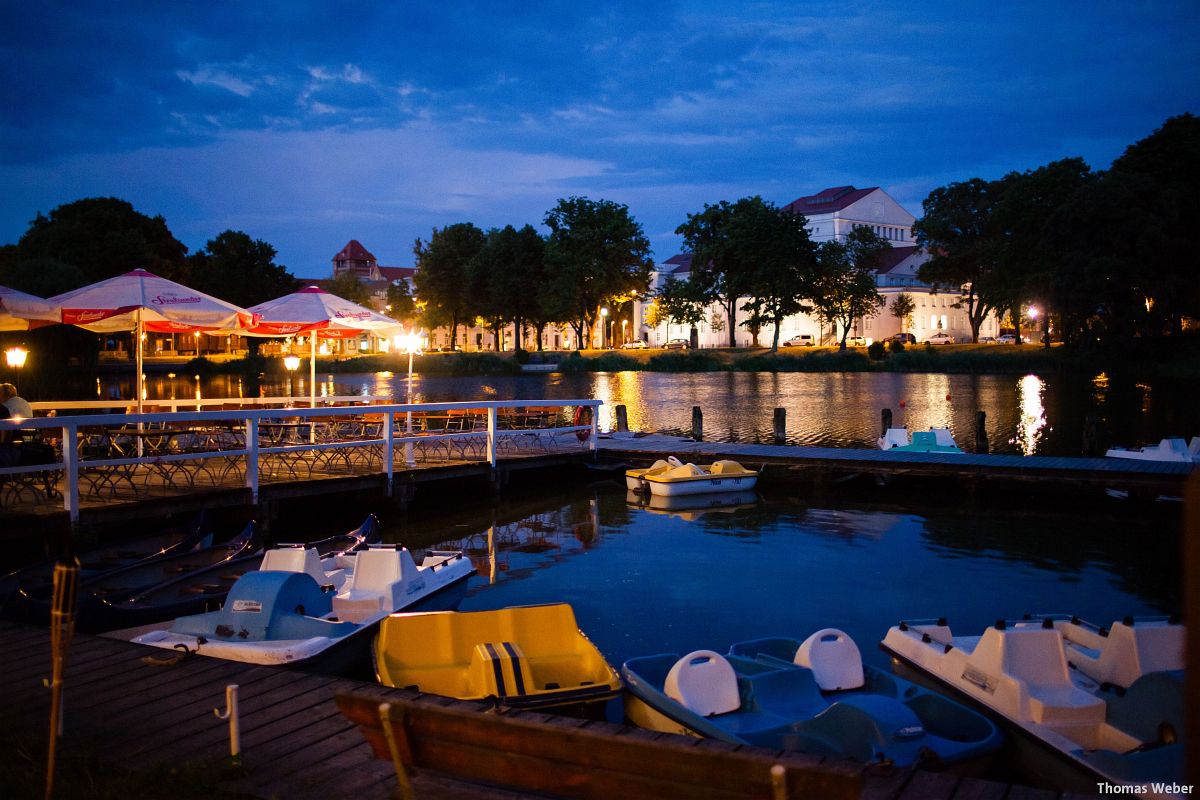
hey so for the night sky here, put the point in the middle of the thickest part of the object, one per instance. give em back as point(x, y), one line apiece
point(308, 124)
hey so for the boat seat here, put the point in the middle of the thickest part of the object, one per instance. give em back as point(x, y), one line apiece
point(726, 467)
point(1131, 651)
point(500, 669)
point(684, 471)
point(834, 659)
point(295, 559)
point(1033, 659)
point(704, 682)
point(924, 439)
point(895, 437)
point(1194, 447)
point(943, 437)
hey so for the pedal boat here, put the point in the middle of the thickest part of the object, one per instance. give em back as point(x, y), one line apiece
point(934, 440)
point(686, 479)
point(693, 507)
point(527, 657)
point(294, 611)
point(814, 697)
point(1171, 449)
point(1097, 705)
point(633, 477)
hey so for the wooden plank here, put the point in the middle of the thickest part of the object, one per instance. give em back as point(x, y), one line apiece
point(976, 789)
point(882, 783)
point(1029, 793)
point(929, 786)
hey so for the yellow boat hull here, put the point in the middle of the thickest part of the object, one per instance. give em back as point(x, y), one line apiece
point(524, 657)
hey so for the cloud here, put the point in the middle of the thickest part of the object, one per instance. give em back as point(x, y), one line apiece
point(214, 76)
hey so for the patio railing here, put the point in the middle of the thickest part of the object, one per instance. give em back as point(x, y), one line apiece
point(115, 456)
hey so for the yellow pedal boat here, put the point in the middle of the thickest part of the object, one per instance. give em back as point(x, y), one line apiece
point(685, 479)
point(524, 657)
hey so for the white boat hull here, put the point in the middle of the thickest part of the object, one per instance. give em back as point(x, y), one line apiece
point(703, 485)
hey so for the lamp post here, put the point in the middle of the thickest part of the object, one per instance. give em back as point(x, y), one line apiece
point(604, 328)
point(292, 363)
point(15, 358)
point(624, 322)
point(411, 344)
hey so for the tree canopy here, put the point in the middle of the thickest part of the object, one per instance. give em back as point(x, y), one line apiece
point(443, 274)
point(239, 269)
point(845, 286)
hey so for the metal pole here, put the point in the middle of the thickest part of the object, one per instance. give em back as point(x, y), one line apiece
point(491, 435)
point(231, 713)
point(252, 458)
point(409, 459)
point(312, 371)
point(389, 448)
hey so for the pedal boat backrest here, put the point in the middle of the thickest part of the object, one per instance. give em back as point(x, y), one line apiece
point(834, 659)
point(1025, 669)
point(726, 467)
point(704, 683)
point(295, 559)
point(895, 437)
point(943, 437)
point(1130, 650)
point(688, 470)
point(381, 576)
point(924, 439)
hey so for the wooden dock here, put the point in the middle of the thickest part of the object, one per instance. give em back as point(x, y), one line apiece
point(133, 715)
point(790, 462)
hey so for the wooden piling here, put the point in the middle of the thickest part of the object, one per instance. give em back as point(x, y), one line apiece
point(697, 424)
point(1091, 436)
point(780, 424)
point(885, 421)
point(622, 419)
point(981, 440)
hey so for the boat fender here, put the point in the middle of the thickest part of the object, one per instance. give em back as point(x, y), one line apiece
point(583, 416)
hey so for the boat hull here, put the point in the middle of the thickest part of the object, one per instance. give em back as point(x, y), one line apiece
point(703, 485)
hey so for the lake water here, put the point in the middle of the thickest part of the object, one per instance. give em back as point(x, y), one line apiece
point(644, 581)
point(1025, 414)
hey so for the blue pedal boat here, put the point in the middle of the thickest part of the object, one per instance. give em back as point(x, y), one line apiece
point(814, 697)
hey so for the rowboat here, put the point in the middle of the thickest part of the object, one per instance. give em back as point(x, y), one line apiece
point(685, 479)
point(302, 610)
point(522, 657)
point(205, 590)
point(814, 696)
point(934, 440)
point(1085, 705)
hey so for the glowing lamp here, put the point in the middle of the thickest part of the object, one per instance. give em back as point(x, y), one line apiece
point(291, 362)
point(15, 357)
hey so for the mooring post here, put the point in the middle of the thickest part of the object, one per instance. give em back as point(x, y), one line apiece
point(981, 440)
point(697, 424)
point(622, 419)
point(885, 421)
point(780, 426)
point(1091, 436)
point(231, 713)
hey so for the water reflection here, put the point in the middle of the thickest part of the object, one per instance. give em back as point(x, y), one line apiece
point(1033, 414)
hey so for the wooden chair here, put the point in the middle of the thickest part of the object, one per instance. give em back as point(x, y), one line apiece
point(564, 758)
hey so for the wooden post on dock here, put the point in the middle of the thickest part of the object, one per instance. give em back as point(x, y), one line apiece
point(1091, 436)
point(981, 440)
point(622, 419)
point(697, 424)
point(780, 424)
point(885, 421)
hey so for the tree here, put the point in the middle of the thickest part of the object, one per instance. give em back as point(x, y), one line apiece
point(597, 255)
point(442, 276)
point(717, 272)
point(955, 230)
point(678, 302)
point(779, 258)
point(400, 303)
point(507, 276)
point(239, 269)
point(347, 286)
point(845, 287)
point(902, 309)
point(103, 237)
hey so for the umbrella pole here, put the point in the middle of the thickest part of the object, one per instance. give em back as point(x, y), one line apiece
point(312, 371)
point(137, 384)
point(62, 628)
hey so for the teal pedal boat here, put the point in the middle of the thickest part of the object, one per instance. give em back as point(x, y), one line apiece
point(814, 697)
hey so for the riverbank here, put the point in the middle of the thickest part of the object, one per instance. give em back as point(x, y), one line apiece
point(1151, 360)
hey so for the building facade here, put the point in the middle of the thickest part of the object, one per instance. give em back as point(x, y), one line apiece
point(832, 213)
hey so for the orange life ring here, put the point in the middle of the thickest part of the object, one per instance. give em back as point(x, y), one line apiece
point(583, 416)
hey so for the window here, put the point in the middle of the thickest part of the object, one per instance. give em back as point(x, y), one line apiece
point(933, 320)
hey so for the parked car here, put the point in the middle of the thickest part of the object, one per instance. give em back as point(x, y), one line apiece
point(638, 345)
point(941, 338)
point(800, 340)
point(856, 341)
point(677, 344)
point(1007, 338)
point(907, 338)
point(987, 339)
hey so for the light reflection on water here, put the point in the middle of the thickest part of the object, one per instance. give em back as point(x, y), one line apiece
point(644, 581)
point(1029, 414)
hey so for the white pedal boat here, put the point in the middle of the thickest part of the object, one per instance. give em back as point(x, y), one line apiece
point(295, 609)
point(1107, 703)
point(686, 479)
point(1170, 449)
point(934, 440)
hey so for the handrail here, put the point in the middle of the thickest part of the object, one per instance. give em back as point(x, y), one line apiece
point(175, 403)
point(392, 415)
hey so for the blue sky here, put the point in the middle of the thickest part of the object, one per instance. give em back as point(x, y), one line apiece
point(307, 124)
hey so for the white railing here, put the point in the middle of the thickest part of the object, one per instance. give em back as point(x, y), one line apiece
point(385, 430)
point(176, 404)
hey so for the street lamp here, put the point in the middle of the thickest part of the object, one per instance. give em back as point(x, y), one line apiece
point(409, 343)
point(624, 322)
point(292, 363)
point(15, 358)
point(604, 328)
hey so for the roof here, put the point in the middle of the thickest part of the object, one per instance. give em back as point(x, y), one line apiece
point(832, 199)
point(891, 259)
point(397, 273)
point(354, 251)
point(679, 265)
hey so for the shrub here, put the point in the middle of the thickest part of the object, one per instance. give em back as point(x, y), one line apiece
point(684, 361)
point(876, 351)
point(896, 346)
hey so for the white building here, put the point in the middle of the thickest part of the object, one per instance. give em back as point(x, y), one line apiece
point(832, 214)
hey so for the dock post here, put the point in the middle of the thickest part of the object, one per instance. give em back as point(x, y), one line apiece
point(885, 421)
point(622, 419)
point(780, 425)
point(697, 424)
point(1091, 436)
point(981, 440)
point(231, 713)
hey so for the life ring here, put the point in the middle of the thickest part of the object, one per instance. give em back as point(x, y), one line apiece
point(583, 416)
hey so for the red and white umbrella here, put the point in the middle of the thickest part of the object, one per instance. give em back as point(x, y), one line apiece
point(142, 301)
point(20, 311)
point(314, 312)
